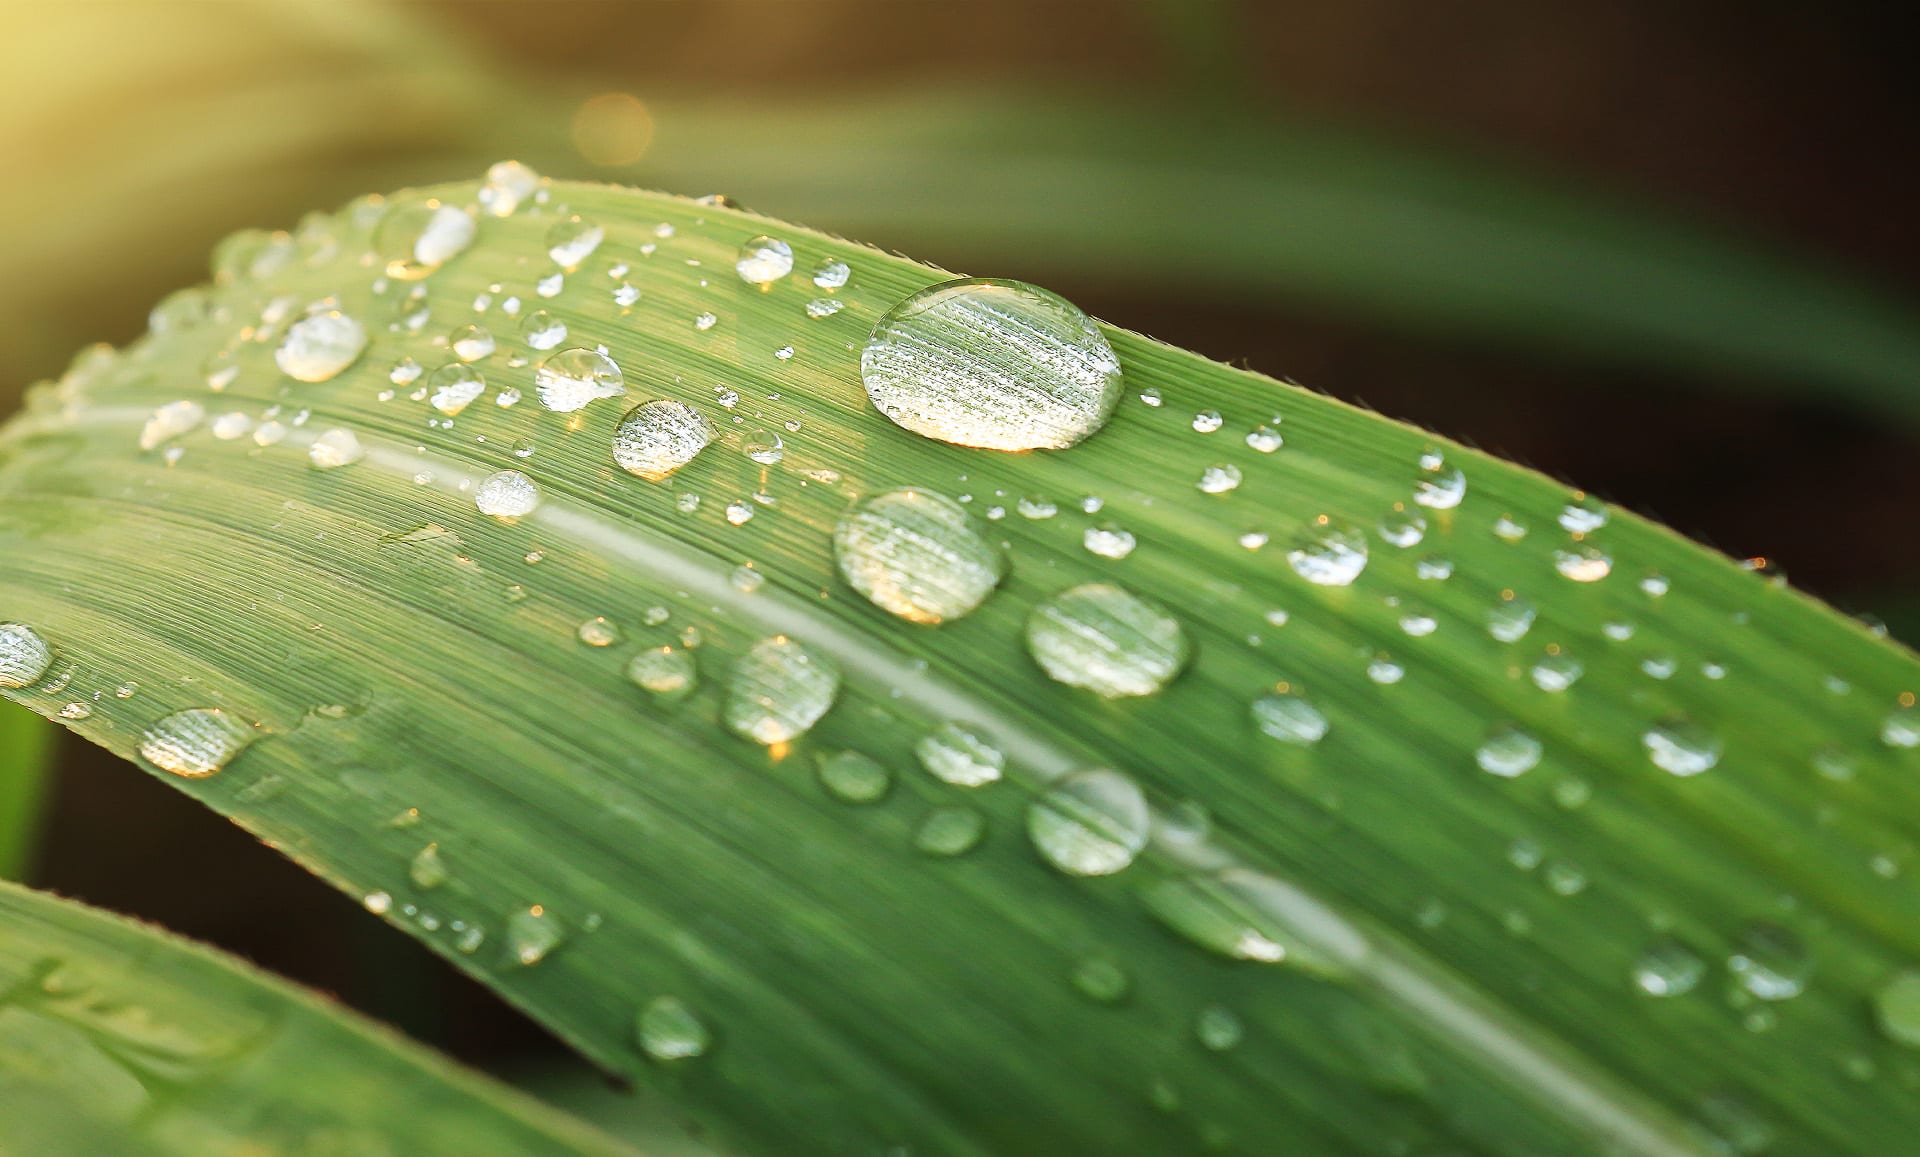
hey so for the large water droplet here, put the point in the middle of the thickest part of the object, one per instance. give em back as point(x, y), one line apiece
point(171, 421)
point(658, 437)
point(1508, 752)
point(1329, 554)
point(1668, 968)
point(854, 776)
point(779, 689)
point(506, 494)
point(1000, 365)
point(453, 387)
point(334, 449)
point(950, 831)
point(509, 184)
point(570, 379)
point(24, 655)
point(417, 238)
point(1770, 962)
point(1897, 1007)
point(670, 1031)
point(917, 554)
point(1283, 715)
point(1091, 823)
point(665, 671)
point(960, 756)
point(764, 260)
point(320, 345)
point(195, 743)
point(1108, 640)
point(1681, 747)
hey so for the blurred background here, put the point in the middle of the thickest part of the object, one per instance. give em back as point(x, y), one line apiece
point(1665, 248)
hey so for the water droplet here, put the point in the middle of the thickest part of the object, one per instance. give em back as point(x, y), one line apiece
point(1655, 585)
point(1508, 529)
point(419, 237)
point(334, 449)
point(853, 776)
point(598, 631)
point(1585, 564)
point(1091, 823)
point(670, 1031)
point(1668, 968)
point(1218, 1028)
point(764, 260)
point(824, 307)
point(1770, 963)
point(269, 433)
point(179, 311)
point(960, 756)
point(657, 438)
point(1108, 540)
point(171, 421)
point(320, 345)
point(572, 241)
point(1106, 639)
point(704, 321)
point(1385, 671)
point(570, 379)
point(1207, 421)
point(1438, 486)
point(427, 869)
point(1283, 715)
point(1897, 1008)
point(779, 689)
point(1660, 666)
point(454, 386)
point(1583, 516)
point(950, 831)
point(1402, 528)
point(831, 274)
point(1244, 915)
point(746, 580)
point(1681, 747)
point(509, 184)
point(1265, 439)
point(1100, 979)
point(1901, 727)
point(531, 934)
point(1418, 624)
point(1434, 568)
point(764, 447)
point(1329, 554)
point(917, 554)
point(1556, 671)
point(1508, 752)
point(1510, 619)
point(1834, 762)
point(1001, 365)
point(664, 671)
point(231, 425)
point(471, 343)
point(378, 903)
point(75, 710)
point(1219, 479)
point(506, 494)
point(196, 742)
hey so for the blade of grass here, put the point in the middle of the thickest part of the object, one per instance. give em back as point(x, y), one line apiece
point(414, 678)
point(119, 1038)
point(26, 759)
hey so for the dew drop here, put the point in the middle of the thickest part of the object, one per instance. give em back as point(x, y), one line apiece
point(1667, 968)
point(1585, 564)
point(1091, 823)
point(570, 379)
point(195, 743)
point(598, 631)
point(1218, 1028)
point(1245, 915)
point(824, 307)
point(417, 238)
point(1434, 568)
point(454, 387)
point(666, 672)
point(1000, 365)
point(659, 437)
point(1328, 554)
point(24, 655)
point(779, 689)
point(960, 756)
point(532, 934)
point(1681, 747)
point(1286, 716)
point(508, 186)
point(170, 421)
point(334, 449)
point(831, 274)
point(471, 343)
point(1108, 640)
point(950, 831)
point(506, 494)
point(1896, 1006)
point(763, 261)
point(917, 554)
point(427, 869)
point(1207, 421)
point(1265, 439)
point(853, 776)
point(1901, 727)
point(1402, 528)
point(1770, 963)
point(1108, 540)
point(1583, 516)
point(1439, 487)
point(231, 425)
point(1100, 979)
point(1510, 619)
point(320, 345)
point(670, 1031)
point(1218, 479)
point(1556, 671)
point(572, 241)
point(1508, 751)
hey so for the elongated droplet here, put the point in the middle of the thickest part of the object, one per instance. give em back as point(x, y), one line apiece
point(1108, 640)
point(1001, 365)
point(658, 437)
point(1246, 915)
point(334, 449)
point(570, 379)
point(1091, 823)
point(195, 743)
point(171, 421)
point(670, 1031)
point(24, 655)
point(509, 184)
point(917, 554)
point(320, 345)
point(419, 237)
point(779, 689)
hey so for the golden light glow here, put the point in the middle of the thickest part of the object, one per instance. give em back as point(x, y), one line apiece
point(612, 129)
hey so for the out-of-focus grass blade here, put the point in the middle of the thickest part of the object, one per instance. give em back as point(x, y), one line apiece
point(118, 1038)
point(26, 751)
point(442, 721)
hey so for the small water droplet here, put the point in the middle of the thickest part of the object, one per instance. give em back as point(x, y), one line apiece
point(1402, 528)
point(664, 671)
point(1207, 421)
point(670, 1031)
point(763, 261)
point(506, 494)
point(532, 934)
point(1556, 671)
point(570, 379)
point(509, 185)
point(1585, 564)
point(1090, 823)
point(1508, 752)
point(75, 710)
point(659, 437)
point(1108, 540)
point(1583, 516)
point(1438, 486)
point(598, 631)
point(1219, 479)
point(171, 421)
point(320, 345)
point(1896, 1006)
point(831, 274)
point(1385, 671)
point(739, 512)
point(917, 554)
point(195, 743)
point(1000, 365)
point(419, 237)
point(1681, 747)
point(824, 307)
point(572, 241)
point(950, 831)
point(471, 342)
point(1101, 979)
point(1328, 554)
point(1108, 640)
point(960, 756)
point(1265, 439)
point(1245, 915)
point(1667, 967)
point(1770, 963)
point(378, 903)
point(427, 869)
point(1901, 727)
point(853, 776)
point(779, 689)
point(1217, 1028)
point(764, 447)
point(1284, 715)
point(334, 449)
point(1510, 619)
point(231, 425)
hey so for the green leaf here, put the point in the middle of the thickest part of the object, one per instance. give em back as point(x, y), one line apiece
point(26, 750)
point(118, 1038)
point(431, 708)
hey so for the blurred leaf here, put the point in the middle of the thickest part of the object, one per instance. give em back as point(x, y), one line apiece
point(26, 748)
point(117, 1038)
point(443, 721)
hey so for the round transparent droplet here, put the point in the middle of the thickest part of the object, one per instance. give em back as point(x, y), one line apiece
point(195, 743)
point(670, 1031)
point(542, 331)
point(1108, 640)
point(1246, 915)
point(509, 185)
point(334, 449)
point(659, 437)
point(24, 655)
point(1329, 554)
point(1901, 727)
point(917, 554)
point(1101, 979)
point(1556, 671)
point(1770, 963)
point(1508, 751)
point(1896, 1007)
point(1091, 823)
point(572, 241)
point(320, 345)
point(1667, 967)
point(1289, 718)
point(666, 672)
point(779, 689)
point(1440, 488)
point(532, 934)
point(1108, 540)
point(831, 274)
point(764, 260)
point(507, 494)
point(1510, 619)
point(1218, 1028)
point(764, 447)
point(570, 379)
point(1681, 747)
point(427, 869)
point(1219, 479)
point(950, 831)
point(418, 237)
point(853, 776)
point(1583, 564)
point(1000, 365)
point(1583, 516)
point(1402, 528)
point(959, 755)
